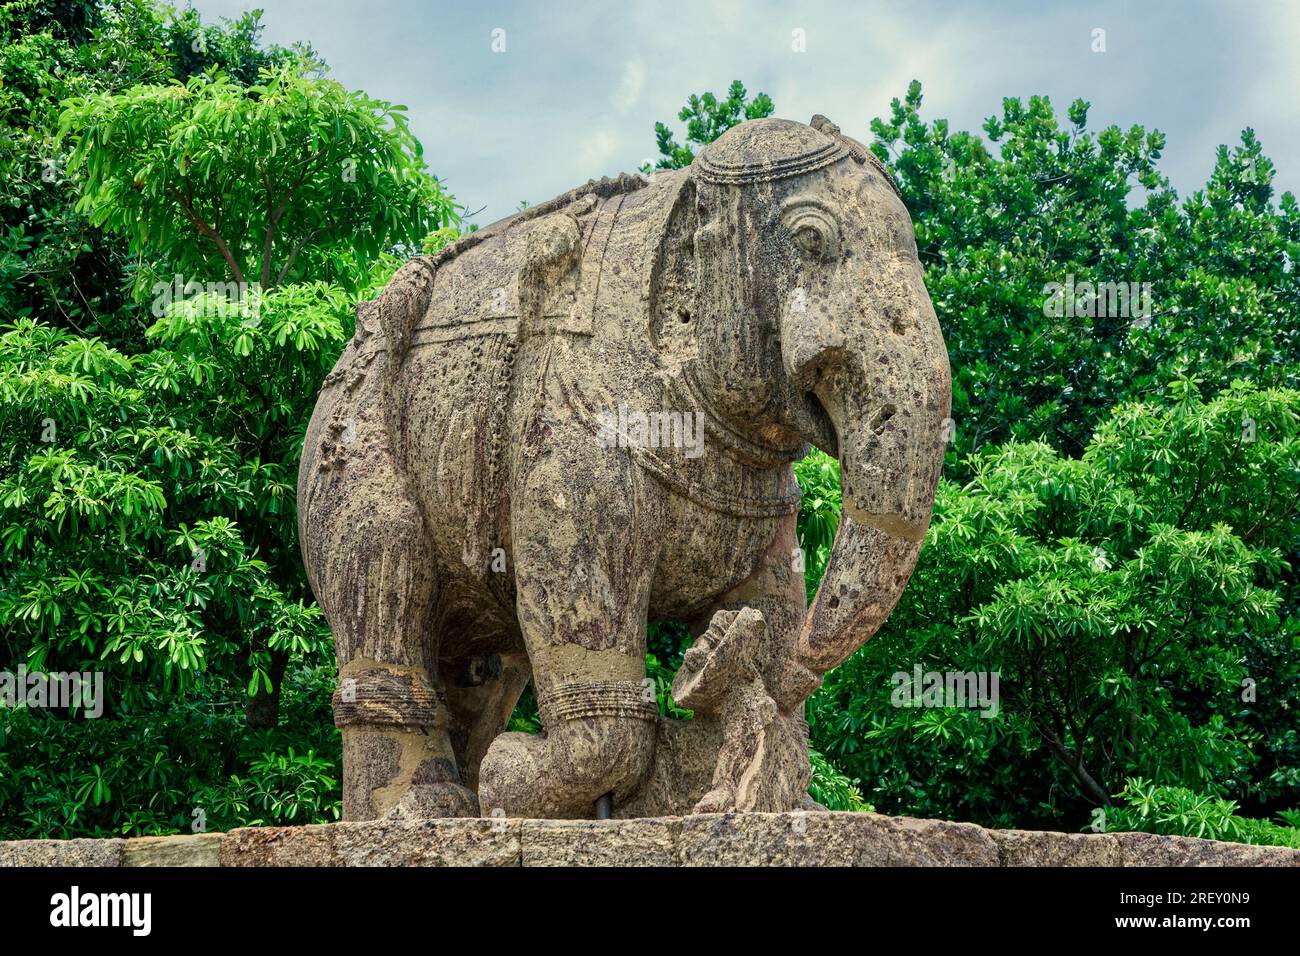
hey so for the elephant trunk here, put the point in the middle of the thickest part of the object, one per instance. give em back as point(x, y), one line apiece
point(888, 404)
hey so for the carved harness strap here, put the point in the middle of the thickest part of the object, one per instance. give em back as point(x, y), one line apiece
point(388, 695)
point(572, 700)
point(724, 502)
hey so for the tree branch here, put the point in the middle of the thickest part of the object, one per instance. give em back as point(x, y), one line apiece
point(204, 229)
point(1075, 765)
point(275, 213)
point(294, 254)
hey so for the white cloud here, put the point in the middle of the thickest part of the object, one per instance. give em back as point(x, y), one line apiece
point(629, 90)
point(579, 92)
point(598, 152)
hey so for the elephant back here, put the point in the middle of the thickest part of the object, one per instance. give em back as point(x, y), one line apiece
point(524, 270)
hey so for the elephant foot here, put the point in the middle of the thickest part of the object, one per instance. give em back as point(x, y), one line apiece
point(512, 760)
point(809, 805)
point(561, 775)
point(401, 774)
point(723, 800)
point(397, 752)
point(432, 800)
point(718, 800)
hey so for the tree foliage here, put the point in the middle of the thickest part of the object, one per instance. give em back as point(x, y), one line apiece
point(706, 118)
point(1116, 536)
point(292, 170)
point(1132, 601)
point(1048, 201)
point(150, 429)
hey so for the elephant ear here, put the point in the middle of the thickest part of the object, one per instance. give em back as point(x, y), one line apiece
point(672, 275)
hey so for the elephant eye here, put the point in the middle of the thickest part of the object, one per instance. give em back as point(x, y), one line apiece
point(815, 231)
point(811, 240)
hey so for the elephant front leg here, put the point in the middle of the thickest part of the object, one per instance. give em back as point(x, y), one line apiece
point(582, 576)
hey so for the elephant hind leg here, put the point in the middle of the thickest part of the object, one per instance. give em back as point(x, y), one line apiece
point(398, 758)
point(372, 568)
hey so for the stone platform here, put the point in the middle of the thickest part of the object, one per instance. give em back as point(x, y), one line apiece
point(749, 839)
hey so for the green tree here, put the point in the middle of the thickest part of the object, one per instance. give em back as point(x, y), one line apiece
point(148, 449)
point(1060, 204)
point(1131, 600)
point(293, 170)
point(706, 118)
point(212, 178)
point(56, 264)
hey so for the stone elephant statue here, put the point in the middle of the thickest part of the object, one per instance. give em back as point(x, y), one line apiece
point(584, 417)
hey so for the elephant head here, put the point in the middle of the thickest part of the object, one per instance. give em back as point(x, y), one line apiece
point(809, 322)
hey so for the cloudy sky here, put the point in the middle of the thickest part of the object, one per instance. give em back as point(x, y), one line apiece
point(577, 90)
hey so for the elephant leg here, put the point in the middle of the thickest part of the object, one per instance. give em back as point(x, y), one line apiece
point(583, 582)
point(372, 571)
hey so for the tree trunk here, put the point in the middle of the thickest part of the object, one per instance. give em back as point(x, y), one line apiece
point(263, 709)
